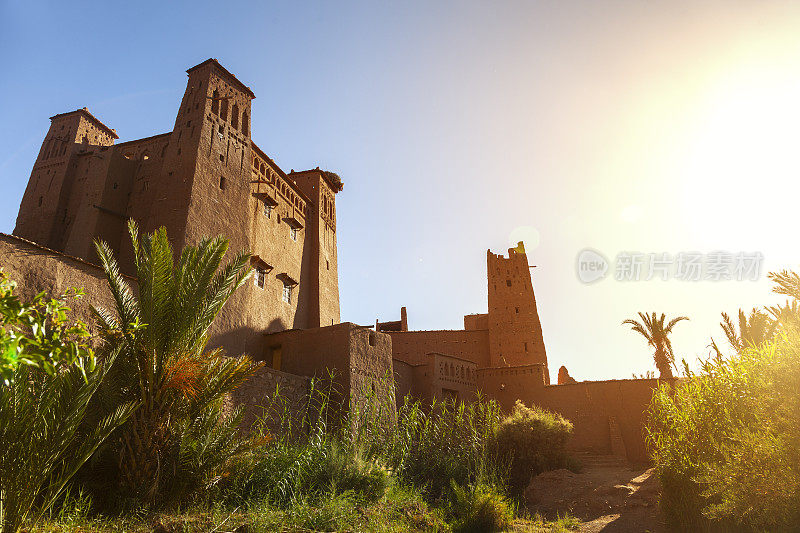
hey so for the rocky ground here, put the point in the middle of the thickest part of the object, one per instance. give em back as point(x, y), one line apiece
point(609, 495)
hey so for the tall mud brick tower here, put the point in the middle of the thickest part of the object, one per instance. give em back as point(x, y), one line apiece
point(204, 178)
point(515, 333)
point(49, 210)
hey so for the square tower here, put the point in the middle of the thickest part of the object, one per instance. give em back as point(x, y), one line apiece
point(515, 333)
point(44, 215)
point(321, 188)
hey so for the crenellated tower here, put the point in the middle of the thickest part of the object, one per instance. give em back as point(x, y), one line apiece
point(515, 333)
point(44, 215)
point(204, 183)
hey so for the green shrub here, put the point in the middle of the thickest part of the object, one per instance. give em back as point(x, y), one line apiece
point(206, 448)
point(726, 442)
point(532, 440)
point(479, 508)
point(342, 470)
point(49, 376)
point(338, 512)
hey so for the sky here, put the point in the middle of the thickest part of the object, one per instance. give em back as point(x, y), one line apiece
point(457, 127)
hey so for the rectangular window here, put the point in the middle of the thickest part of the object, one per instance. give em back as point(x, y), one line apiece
point(261, 277)
point(293, 233)
point(222, 183)
point(267, 210)
point(287, 294)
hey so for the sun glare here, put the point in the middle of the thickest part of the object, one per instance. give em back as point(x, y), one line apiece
point(742, 158)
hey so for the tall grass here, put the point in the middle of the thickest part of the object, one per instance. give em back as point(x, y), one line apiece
point(431, 445)
point(726, 442)
point(420, 468)
point(424, 446)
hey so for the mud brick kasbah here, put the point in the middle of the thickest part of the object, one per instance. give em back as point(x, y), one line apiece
point(208, 177)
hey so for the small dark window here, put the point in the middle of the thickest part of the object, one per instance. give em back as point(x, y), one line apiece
point(327, 265)
point(372, 338)
point(261, 276)
point(215, 102)
point(223, 114)
point(41, 198)
point(516, 310)
point(221, 157)
point(115, 185)
point(526, 346)
point(222, 183)
point(508, 282)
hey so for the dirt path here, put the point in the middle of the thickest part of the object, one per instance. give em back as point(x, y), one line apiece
point(609, 495)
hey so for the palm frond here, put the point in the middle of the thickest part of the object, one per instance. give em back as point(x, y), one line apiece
point(786, 282)
point(127, 306)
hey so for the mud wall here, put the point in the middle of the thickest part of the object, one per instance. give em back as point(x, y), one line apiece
point(274, 398)
point(603, 411)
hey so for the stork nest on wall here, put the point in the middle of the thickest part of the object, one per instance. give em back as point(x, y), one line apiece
point(334, 179)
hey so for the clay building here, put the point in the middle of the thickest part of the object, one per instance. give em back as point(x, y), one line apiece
point(458, 363)
point(207, 177)
point(501, 355)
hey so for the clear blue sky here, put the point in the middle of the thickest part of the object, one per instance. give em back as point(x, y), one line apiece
point(639, 126)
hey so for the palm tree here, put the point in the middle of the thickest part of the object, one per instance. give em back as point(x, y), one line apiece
point(753, 330)
point(786, 316)
point(161, 337)
point(657, 334)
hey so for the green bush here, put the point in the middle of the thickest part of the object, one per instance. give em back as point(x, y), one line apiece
point(726, 442)
point(480, 508)
point(49, 376)
point(532, 440)
point(341, 470)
